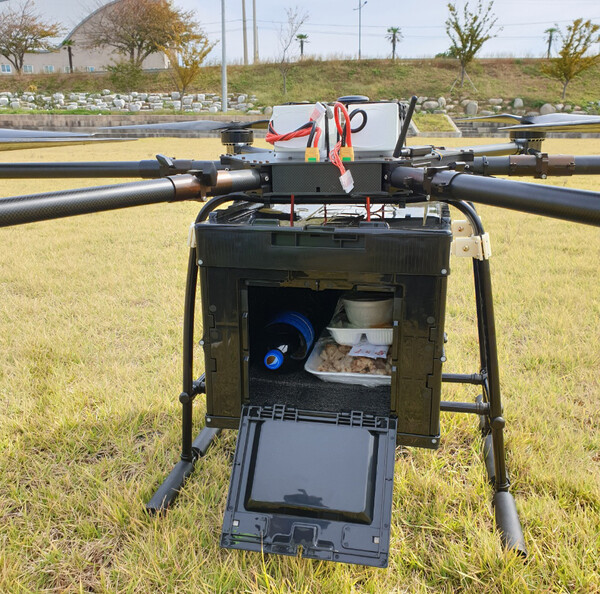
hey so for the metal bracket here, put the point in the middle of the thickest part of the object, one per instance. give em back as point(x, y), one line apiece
point(467, 245)
point(191, 241)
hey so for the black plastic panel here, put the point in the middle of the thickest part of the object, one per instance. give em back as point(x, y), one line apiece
point(320, 481)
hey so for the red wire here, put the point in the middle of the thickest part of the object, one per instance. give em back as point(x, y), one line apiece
point(368, 208)
point(341, 107)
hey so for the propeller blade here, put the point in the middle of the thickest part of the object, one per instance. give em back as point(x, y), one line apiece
point(11, 139)
point(501, 118)
point(193, 126)
point(558, 122)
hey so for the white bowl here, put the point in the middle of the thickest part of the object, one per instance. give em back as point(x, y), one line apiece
point(367, 312)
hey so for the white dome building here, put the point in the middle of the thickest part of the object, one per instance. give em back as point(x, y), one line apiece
point(83, 59)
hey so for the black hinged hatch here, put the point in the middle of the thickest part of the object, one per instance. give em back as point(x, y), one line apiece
point(321, 481)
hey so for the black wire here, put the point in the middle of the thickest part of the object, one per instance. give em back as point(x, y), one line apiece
point(311, 136)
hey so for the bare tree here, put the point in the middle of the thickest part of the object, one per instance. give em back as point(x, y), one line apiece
point(22, 30)
point(469, 33)
point(287, 34)
point(186, 58)
point(138, 28)
point(574, 57)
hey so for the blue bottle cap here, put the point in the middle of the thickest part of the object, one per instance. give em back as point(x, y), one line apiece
point(273, 359)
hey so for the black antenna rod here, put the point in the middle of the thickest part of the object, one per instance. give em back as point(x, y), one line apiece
point(405, 125)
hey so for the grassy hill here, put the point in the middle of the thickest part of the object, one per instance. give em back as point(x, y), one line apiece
point(379, 79)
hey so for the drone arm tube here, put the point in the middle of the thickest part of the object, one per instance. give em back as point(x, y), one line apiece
point(40, 207)
point(146, 169)
point(579, 206)
point(536, 165)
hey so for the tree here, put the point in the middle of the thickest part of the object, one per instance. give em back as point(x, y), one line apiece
point(68, 45)
point(302, 38)
point(22, 31)
point(572, 59)
point(138, 28)
point(394, 36)
point(469, 33)
point(186, 58)
point(551, 31)
point(295, 20)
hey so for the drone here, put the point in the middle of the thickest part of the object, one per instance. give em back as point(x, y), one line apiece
point(340, 208)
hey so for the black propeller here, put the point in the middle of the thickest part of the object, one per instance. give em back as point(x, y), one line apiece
point(551, 122)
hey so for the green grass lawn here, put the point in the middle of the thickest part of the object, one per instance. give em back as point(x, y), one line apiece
point(90, 341)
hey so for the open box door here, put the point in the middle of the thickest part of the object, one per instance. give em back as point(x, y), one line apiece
point(315, 483)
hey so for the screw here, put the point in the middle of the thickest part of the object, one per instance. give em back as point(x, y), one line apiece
point(201, 343)
point(208, 420)
point(434, 441)
point(461, 229)
point(444, 271)
point(266, 178)
point(200, 262)
point(465, 248)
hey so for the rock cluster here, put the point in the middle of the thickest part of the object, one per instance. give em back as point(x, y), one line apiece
point(129, 102)
point(495, 105)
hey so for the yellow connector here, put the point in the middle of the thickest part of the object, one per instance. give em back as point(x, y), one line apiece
point(311, 154)
point(347, 153)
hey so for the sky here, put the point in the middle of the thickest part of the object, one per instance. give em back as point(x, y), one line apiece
point(333, 26)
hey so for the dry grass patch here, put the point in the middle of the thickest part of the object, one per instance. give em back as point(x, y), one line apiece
point(90, 340)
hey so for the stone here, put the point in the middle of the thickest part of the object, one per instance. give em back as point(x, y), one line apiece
point(4, 101)
point(268, 111)
point(486, 112)
point(418, 108)
point(201, 97)
point(496, 108)
point(241, 106)
point(188, 100)
point(547, 108)
point(420, 100)
point(15, 104)
point(559, 107)
point(242, 98)
point(58, 96)
point(106, 91)
point(120, 103)
point(253, 112)
point(213, 109)
point(464, 102)
point(439, 111)
point(176, 105)
point(471, 108)
point(442, 102)
point(73, 97)
point(430, 105)
point(175, 95)
point(568, 107)
point(532, 113)
point(134, 107)
point(495, 101)
point(518, 103)
point(71, 106)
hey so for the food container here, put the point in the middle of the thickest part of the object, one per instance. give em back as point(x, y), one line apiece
point(350, 336)
point(368, 310)
point(364, 379)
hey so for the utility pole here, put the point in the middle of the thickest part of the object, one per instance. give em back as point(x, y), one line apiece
point(223, 61)
point(245, 32)
point(360, 6)
point(255, 31)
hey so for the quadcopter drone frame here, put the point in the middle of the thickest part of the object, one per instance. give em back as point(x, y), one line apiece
point(458, 177)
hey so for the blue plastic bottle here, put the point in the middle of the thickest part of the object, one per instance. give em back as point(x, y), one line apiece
point(286, 342)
